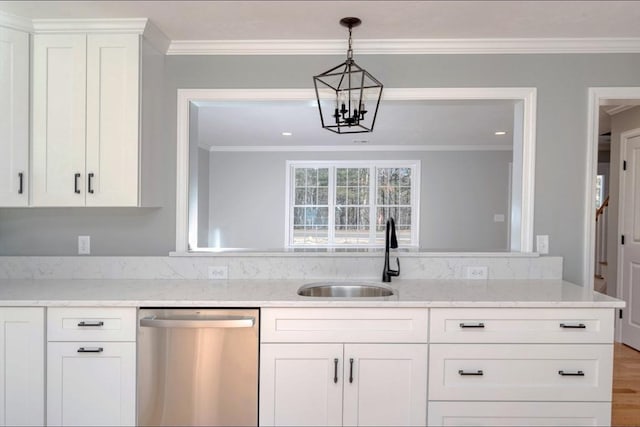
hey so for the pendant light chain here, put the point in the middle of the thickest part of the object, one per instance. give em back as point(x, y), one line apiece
point(350, 50)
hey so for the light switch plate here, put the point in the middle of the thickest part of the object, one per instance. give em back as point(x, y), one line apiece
point(218, 272)
point(542, 244)
point(84, 245)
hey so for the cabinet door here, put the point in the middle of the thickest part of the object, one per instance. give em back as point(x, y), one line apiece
point(112, 119)
point(385, 384)
point(14, 117)
point(301, 384)
point(91, 383)
point(59, 94)
point(21, 366)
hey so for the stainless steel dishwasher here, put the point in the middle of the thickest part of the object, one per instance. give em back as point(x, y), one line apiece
point(198, 367)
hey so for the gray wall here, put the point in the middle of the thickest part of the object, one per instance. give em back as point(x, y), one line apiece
point(562, 82)
point(460, 193)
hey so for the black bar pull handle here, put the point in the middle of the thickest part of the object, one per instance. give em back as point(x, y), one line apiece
point(472, 325)
point(335, 371)
point(90, 350)
point(477, 373)
point(350, 371)
point(75, 183)
point(90, 183)
point(573, 326)
point(571, 374)
point(85, 323)
point(20, 178)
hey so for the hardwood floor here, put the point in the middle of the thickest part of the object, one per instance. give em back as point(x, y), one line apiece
point(626, 386)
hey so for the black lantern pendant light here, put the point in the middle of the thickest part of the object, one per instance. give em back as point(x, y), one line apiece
point(348, 96)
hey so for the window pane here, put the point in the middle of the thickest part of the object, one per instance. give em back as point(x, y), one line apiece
point(352, 177)
point(323, 196)
point(323, 177)
point(341, 196)
point(312, 177)
point(300, 177)
point(405, 196)
point(298, 216)
point(352, 196)
point(300, 196)
point(341, 176)
point(311, 196)
point(363, 177)
point(405, 176)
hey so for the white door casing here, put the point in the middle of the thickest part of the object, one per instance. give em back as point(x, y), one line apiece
point(629, 259)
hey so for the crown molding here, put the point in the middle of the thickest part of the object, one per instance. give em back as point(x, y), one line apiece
point(15, 22)
point(53, 26)
point(405, 46)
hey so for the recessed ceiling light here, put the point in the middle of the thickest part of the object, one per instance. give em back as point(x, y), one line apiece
point(501, 132)
point(286, 134)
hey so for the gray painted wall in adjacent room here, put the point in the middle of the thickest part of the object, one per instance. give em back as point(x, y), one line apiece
point(460, 193)
point(562, 82)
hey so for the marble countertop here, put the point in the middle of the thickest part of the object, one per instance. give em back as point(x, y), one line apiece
point(282, 293)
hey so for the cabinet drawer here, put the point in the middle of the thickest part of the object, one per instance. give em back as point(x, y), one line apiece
point(91, 324)
point(519, 414)
point(505, 325)
point(381, 325)
point(571, 372)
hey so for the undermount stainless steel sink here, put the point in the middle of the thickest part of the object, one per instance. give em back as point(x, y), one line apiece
point(345, 290)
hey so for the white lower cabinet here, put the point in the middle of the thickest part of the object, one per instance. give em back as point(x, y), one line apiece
point(91, 374)
point(385, 384)
point(520, 367)
point(22, 366)
point(300, 384)
point(345, 377)
point(524, 414)
point(91, 384)
point(350, 384)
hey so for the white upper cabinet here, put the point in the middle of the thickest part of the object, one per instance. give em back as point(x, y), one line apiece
point(85, 148)
point(59, 96)
point(14, 117)
point(112, 119)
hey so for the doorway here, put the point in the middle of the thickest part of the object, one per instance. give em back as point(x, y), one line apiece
point(613, 263)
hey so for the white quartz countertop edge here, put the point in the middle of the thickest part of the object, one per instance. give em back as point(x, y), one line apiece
point(282, 293)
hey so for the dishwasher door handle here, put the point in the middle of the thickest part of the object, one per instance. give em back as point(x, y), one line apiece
point(220, 322)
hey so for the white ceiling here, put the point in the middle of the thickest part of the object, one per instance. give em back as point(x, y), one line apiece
point(261, 123)
point(250, 20)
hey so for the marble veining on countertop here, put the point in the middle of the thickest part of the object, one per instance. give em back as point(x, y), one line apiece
point(282, 293)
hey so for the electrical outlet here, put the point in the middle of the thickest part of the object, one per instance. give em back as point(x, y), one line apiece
point(477, 272)
point(84, 245)
point(218, 272)
point(542, 244)
point(498, 218)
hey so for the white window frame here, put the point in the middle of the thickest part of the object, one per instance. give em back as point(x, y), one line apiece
point(334, 164)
